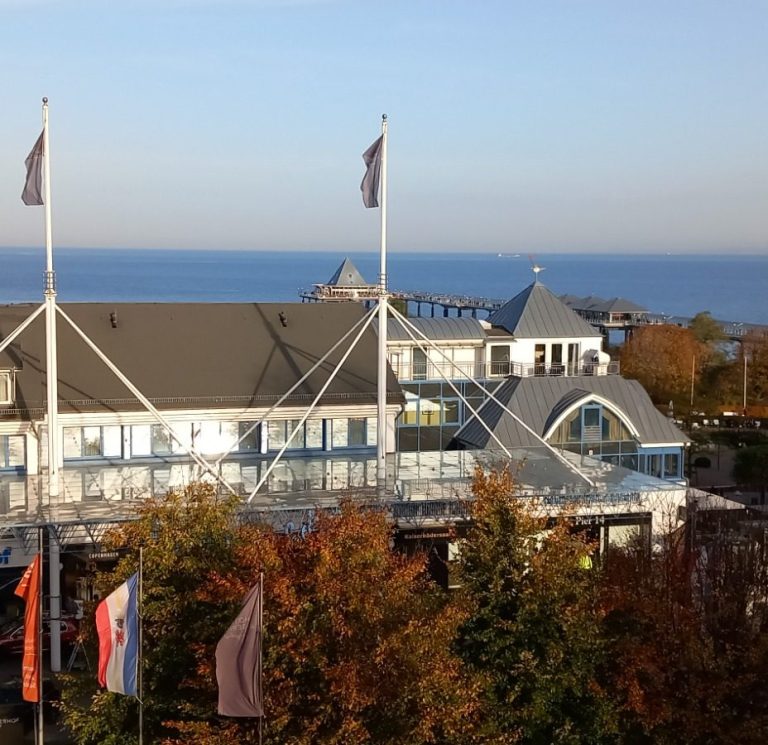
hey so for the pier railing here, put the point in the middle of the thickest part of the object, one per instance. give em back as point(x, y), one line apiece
point(482, 370)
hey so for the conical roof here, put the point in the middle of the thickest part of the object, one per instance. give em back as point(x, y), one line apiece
point(347, 276)
point(536, 313)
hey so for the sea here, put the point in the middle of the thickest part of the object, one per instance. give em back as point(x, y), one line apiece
point(731, 287)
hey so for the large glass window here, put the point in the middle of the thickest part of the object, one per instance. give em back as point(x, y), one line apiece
point(249, 434)
point(349, 433)
point(153, 439)
point(12, 451)
point(93, 442)
point(308, 435)
point(596, 431)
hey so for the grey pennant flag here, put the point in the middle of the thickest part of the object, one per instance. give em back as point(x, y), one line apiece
point(238, 662)
point(33, 186)
point(370, 184)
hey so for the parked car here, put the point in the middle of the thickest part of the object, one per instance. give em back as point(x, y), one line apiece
point(12, 634)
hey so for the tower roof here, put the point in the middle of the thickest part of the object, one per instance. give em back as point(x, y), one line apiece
point(347, 275)
point(536, 313)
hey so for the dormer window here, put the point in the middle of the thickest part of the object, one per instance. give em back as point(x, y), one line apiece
point(7, 387)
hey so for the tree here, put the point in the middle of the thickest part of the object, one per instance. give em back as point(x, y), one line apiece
point(750, 468)
point(184, 535)
point(357, 641)
point(533, 626)
point(706, 329)
point(662, 358)
point(686, 629)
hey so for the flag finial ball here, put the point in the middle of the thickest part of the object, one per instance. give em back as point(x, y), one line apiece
point(45, 99)
point(384, 117)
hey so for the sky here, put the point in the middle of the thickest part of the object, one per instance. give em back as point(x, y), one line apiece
point(538, 126)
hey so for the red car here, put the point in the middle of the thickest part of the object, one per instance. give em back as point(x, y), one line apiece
point(12, 635)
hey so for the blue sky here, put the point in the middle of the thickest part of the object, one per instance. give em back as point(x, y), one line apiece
point(514, 126)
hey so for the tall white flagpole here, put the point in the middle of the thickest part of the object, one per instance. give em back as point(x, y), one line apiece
point(381, 428)
point(52, 390)
point(140, 666)
point(49, 291)
point(40, 739)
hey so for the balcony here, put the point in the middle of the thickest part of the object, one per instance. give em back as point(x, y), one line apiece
point(488, 370)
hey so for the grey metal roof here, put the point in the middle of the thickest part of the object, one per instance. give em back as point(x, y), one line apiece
point(539, 400)
point(536, 313)
point(347, 275)
point(600, 305)
point(443, 329)
point(191, 355)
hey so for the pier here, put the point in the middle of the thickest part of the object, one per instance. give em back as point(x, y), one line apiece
point(616, 314)
point(605, 315)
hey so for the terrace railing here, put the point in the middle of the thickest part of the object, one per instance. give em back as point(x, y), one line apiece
point(498, 369)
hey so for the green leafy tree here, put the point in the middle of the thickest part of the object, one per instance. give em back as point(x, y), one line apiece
point(533, 631)
point(706, 329)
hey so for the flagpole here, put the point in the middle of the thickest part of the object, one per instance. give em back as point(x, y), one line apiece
point(49, 291)
point(261, 647)
point(141, 645)
point(381, 409)
point(40, 719)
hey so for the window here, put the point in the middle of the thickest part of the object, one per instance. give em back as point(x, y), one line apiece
point(152, 439)
point(500, 359)
point(250, 441)
point(349, 433)
point(573, 359)
point(372, 431)
point(6, 387)
point(12, 451)
point(162, 442)
point(557, 354)
point(539, 359)
point(595, 430)
point(314, 434)
point(671, 466)
point(419, 364)
point(356, 433)
point(93, 442)
point(309, 434)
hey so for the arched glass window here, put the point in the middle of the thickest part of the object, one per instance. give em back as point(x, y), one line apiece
point(594, 430)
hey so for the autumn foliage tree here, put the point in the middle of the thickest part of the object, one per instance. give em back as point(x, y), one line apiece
point(533, 630)
point(687, 632)
point(662, 358)
point(357, 641)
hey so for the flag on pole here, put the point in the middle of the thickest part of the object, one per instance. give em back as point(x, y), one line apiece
point(29, 590)
point(370, 183)
point(238, 662)
point(33, 186)
point(117, 624)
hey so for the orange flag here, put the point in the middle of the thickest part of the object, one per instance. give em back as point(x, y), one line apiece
point(29, 590)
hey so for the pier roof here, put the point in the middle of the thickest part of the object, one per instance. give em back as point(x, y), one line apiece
point(600, 305)
point(537, 313)
point(347, 275)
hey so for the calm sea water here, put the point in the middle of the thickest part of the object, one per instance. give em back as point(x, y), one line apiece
point(733, 288)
